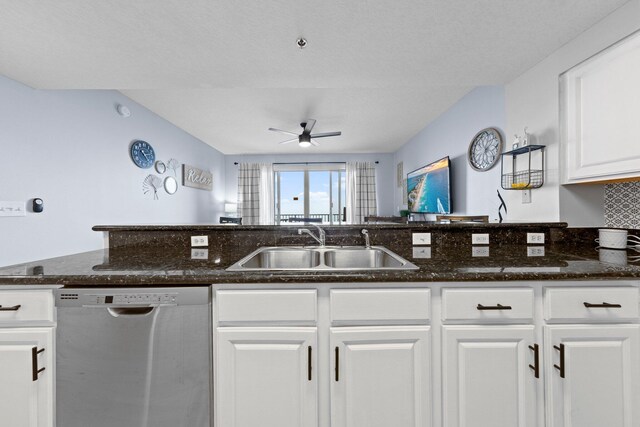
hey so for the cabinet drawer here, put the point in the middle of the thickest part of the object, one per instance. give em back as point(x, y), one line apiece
point(591, 304)
point(26, 307)
point(488, 305)
point(272, 306)
point(380, 306)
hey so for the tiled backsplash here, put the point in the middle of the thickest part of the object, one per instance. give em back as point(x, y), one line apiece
point(622, 205)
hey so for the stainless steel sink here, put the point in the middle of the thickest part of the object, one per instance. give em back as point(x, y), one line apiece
point(282, 259)
point(362, 258)
point(327, 258)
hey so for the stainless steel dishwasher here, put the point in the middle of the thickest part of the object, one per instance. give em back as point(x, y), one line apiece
point(133, 357)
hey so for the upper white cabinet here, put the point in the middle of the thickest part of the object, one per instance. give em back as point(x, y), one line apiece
point(600, 106)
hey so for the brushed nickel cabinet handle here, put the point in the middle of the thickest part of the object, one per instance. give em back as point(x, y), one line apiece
point(603, 305)
point(337, 364)
point(34, 363)
point(493, 307)
point(14, 308)
point(560, 367)
point(536, 360)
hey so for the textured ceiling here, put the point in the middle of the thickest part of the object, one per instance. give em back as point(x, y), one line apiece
point(226, 70)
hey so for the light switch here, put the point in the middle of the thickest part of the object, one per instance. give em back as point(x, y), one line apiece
point(421, 252)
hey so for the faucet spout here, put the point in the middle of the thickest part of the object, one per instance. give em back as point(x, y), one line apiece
point(367, 242)
point(320, 238)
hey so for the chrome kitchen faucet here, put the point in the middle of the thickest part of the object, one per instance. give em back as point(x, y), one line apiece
point(321, 238)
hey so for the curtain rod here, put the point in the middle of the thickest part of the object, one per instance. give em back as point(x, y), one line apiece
point(307, 163)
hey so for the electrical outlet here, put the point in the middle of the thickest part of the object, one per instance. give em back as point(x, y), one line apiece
point(199, 240)
point(421, 252)
point(535, 238)
point(480, 251)
point(480, 239)
point(526, 196)
point(421, 238)
point(535, 250)
point(199, 253)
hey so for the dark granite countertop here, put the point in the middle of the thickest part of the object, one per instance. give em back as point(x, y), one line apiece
point(134, 267)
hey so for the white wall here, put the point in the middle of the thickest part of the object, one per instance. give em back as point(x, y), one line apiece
point(532, 100)
point(71, 149)
point(385, 177)
point(473, 193)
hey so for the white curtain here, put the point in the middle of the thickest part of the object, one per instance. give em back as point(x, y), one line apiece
point(266, 194)
point(255, 193)
point(361, 191)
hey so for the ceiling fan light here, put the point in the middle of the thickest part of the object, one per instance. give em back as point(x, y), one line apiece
point(304, 144)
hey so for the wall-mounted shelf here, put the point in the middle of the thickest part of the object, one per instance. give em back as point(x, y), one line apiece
point(524, 178)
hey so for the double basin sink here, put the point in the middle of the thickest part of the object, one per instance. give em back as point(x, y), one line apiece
point(322, 258)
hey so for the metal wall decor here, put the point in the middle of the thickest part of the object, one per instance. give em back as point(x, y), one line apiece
point(160, 167)
point(151, 185)
point(484, 149)
point(173, 165)
point(197, 178)
point(170, 185)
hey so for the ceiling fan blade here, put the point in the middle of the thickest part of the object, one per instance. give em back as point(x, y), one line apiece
point(314, 143)
point(283, 131)
point(326, 134)
point(289, 140)
point(310, 124)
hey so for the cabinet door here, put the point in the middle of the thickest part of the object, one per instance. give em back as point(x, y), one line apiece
point(266, 377)
point(380, 377)
point(487, 380)
point(601, 370)
point(600, 104)
point(25, 402)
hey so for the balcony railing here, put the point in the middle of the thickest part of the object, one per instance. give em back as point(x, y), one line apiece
point(335, 218)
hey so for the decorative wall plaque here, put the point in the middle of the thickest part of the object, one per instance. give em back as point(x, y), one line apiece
point(197, 178)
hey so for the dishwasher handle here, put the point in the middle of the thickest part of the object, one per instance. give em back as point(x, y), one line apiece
point(130, 311)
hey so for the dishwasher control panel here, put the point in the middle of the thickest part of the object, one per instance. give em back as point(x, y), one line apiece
point(130, 299)
point(107, 297)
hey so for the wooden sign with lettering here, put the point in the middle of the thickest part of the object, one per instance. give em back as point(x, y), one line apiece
point(197, 178)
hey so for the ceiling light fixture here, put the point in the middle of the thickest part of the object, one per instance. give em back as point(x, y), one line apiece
point(304, 140)
point(301, 42)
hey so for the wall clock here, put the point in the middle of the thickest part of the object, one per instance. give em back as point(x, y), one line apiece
point(142, 154)
point(484, 150)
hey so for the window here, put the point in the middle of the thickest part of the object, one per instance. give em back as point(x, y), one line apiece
point(315, 192)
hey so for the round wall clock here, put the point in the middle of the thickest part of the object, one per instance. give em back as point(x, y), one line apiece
point(485, 149)
point(142, 154)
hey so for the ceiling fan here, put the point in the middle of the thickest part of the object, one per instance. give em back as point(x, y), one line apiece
point(306, 139)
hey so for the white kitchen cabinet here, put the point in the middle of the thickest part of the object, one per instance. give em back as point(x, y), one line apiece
point(600, 100)
point(380, 376)
point(489, 376)
point(26, 377)
point(593, 375)
point(266, 377)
